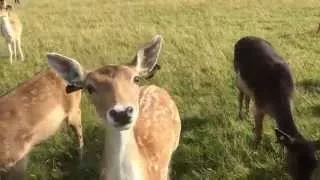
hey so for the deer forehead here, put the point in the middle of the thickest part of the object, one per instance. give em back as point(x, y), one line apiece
point(111, 73)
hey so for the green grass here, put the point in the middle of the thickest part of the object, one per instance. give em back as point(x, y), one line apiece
point(197, 70)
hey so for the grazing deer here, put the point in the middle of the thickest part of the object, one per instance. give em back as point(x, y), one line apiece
point(11, 30)
point(143, 123)
point(30, 114)
point(264, 76)
point(301, 156)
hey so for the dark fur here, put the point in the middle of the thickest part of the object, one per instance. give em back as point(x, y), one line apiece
point(301, 157)
point(268, 77)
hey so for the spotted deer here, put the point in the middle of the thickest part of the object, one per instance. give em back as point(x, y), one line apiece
point(30, 114)
point(142, 122)
point(264, 76)
point(11, 30)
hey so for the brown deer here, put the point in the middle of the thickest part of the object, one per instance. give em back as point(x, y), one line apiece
point(265, 77)
point(11, 30)
point(30, 114)
point(143, 123)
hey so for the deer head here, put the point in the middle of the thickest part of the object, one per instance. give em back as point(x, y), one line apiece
point(301, 155)
point(113, 89)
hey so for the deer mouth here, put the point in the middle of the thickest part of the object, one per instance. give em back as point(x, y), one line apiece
point(122, 122)
point(122, 127)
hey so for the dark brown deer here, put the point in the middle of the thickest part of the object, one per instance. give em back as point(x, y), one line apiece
point(301, 156)
point(264, 76)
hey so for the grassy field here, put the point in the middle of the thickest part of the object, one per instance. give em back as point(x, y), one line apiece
point(197, 70)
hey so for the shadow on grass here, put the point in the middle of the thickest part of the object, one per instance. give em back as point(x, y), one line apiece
point(189, 124)
point(316, 110)
point(180, 164)
point(309, 85)
point(66, 162)
point(267, 174)
point(310, 32)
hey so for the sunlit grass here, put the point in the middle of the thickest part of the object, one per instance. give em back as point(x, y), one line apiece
point(197, 70)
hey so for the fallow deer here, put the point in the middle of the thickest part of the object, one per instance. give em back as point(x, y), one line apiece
point(143, 123)
point(30, 114)
point(264, 76)
point(11, 30)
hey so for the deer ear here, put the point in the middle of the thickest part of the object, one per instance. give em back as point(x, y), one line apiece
point(69, 69)
point(284, 138)
point(147, 57)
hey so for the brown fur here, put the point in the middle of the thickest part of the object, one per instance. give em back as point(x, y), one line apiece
point(143, 123)
point(157, 144)
point(32, 112)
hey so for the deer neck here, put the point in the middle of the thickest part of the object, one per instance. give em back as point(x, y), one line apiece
point(284, 118)
point(123, 160)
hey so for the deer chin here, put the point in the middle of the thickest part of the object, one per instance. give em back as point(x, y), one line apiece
point(118, 126)
point(122, 127)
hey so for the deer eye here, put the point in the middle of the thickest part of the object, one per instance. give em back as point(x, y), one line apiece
point(136, 79)
point(90, 89)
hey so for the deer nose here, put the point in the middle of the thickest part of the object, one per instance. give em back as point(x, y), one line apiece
point(122, 117)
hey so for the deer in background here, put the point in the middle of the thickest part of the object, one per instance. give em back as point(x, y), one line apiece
point(143, 123)
point(30, 114)
point(11, 30)
point(265, 77)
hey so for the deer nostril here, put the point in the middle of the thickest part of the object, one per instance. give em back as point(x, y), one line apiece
point(129, 110)
point(113, 113)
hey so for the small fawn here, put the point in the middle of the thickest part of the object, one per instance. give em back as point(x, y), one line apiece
point(143, 123)
point(11, 30)
point(265, 77)
point(30, 114)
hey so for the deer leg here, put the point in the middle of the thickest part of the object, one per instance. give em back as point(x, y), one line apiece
point(74, 121)
point(20, 49)
point(240, 101)
point(10, 51)
point(258, 127)
point(14, 43)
